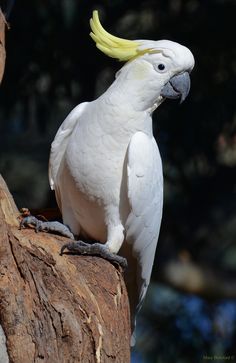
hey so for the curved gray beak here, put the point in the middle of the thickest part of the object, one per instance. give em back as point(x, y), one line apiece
point(177, 87)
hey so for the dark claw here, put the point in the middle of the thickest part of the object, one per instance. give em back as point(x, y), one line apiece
point(74, 247)
point(38, 228)
point(96, 249)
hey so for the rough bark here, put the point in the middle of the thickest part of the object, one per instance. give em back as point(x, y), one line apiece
point(57, 308)
point(2, 44)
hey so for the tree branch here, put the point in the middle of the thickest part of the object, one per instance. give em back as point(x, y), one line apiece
point(2, 44)
point(58, 308)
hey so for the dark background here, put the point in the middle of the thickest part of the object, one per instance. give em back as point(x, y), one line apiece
point(52, 65)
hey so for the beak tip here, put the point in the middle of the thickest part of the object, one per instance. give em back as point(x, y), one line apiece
point(182, 99)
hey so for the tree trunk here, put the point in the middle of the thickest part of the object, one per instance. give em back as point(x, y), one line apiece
point(56, 308)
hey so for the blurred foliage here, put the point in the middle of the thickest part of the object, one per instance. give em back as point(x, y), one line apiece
point(184, 328)
point(52, 65)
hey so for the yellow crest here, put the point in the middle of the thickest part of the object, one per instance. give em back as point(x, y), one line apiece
point(119, 48)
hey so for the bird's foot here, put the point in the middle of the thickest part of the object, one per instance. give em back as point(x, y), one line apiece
point(95, 249)
point(54, 227)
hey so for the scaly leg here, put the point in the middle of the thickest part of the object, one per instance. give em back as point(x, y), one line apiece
point(46, 226)
point(97, 249)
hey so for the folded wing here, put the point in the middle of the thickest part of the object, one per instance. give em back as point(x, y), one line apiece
point(145, 195)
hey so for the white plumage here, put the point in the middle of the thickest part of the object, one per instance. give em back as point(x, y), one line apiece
point(106, 168)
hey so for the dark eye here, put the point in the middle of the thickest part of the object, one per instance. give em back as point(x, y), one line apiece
point(161, 67)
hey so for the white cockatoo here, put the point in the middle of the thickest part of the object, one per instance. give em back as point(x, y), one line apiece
point(105, 166)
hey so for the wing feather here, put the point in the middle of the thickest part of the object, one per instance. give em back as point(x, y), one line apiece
point(60, 142)
point(145, 194)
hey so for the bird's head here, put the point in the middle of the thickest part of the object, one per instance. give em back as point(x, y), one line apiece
point(161, 68)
